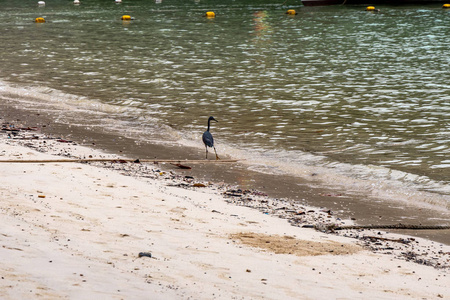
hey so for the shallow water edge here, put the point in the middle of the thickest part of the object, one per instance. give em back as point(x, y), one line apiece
point(343, 204)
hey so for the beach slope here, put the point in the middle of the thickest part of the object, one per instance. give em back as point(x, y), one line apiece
point(78, 231)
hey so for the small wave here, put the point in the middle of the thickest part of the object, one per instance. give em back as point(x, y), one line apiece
point(73, 109)
point(378, 182)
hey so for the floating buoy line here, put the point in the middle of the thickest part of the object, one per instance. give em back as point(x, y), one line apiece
point(208, 14)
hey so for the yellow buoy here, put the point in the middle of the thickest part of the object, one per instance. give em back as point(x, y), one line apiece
point(126, 17)
point(39, 20)
point(446, 5)
point(370, 8)
point(210, 14)
point(291, 12)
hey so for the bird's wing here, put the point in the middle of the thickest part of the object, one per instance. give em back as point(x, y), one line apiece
point(208, 139)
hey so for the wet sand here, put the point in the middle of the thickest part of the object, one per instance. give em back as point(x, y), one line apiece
point(343, 204)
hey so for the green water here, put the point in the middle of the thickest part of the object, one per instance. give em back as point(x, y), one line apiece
point(364, 95)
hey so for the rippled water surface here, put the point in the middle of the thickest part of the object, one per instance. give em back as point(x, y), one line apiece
point(365, 95)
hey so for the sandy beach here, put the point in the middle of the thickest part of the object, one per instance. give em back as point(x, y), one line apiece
point(115, 230)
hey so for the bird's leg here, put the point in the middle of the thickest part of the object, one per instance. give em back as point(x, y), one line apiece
point(206, 152)
point(217, 156)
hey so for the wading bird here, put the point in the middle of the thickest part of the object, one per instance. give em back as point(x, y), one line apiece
point(208, 139)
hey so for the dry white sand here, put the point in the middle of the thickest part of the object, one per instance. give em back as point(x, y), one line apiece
point(72, 230)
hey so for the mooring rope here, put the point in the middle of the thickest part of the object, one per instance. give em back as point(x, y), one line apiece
point(392, 226)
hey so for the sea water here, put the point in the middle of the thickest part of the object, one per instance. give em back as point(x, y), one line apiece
point(346, 98)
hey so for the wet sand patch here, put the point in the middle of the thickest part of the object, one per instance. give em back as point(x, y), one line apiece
point(291, 245)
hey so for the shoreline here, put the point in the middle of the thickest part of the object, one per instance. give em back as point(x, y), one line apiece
point(344, 204)
point(78, 229)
